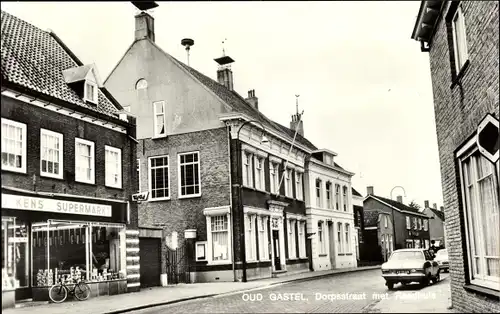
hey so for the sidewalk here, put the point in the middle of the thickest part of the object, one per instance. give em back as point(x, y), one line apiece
point(171, 294)
point(432, 299)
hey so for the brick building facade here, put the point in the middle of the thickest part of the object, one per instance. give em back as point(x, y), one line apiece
point(68, 170)
point(462, 40)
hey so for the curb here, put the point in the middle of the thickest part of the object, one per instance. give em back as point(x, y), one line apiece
point(206, 296)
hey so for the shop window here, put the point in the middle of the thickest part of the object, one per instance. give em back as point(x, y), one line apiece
point(263, 238)
point(65, 251)
point(250, 241)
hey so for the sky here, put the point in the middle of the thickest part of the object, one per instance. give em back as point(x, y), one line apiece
point(364, 85)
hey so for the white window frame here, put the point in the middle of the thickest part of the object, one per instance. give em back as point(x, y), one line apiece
point(247, 166)
point(24, 140)
point(60, 137)
point(340, 242)
point(408, 223)
point(337, 197)
point(347, 232)
point(329, 194)
point(92, 163)
point(212, 213)
point(318, 190)
point(156, 133)
point(273, 177)
point(386, 221)
point(94, 92)
point(292, 243)
point(470, 150)
point(179, 165)
point(120, 174)
point(259, 173)
point(263, 238)
point(344, 198)
point(321, 238)
point(298, 185)
point(426, 224)
point(288, 183)
point(201, 257)
point(415, 223)
point(459, 40)
point(302, 239)
point(150, 178)
point(250, 238)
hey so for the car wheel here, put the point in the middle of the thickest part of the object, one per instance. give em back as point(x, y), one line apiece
point(436, 278)
point(425, 282)
point(390, 285)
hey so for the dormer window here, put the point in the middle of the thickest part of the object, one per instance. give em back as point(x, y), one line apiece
point(90, 92)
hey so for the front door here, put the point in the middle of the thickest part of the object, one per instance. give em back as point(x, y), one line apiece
point(276, 250)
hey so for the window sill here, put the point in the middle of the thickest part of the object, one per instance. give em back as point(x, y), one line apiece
point(21, 171)
point(213, 263)
point(264, 260)
point(487, 292)
point(114, 187)
point(159, 199)
point(189, 196)
point(458, 78)
point(157, 137)
point(85, 182)
point(51, 176)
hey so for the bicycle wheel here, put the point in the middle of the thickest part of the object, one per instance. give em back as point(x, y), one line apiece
point(82, 291)
point(58, 293)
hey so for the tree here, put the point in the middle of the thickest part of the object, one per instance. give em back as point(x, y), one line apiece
point(413, 204)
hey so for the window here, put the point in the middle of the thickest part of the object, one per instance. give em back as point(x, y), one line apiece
point(391, 248)
point(139, 174)
point(13, 146)
point(288, 182)
point(302, 239)
point(408, 223)
point(318, 193)
point(344, 201)
point(51, 154)
point(90, 92)
point(259, 173)
point(219, 231)
point(459, 40)
point(113, 161)
point(347, 238)
point(321, 239)
point(329, 195)
point(427, 246)
point(481, 207)
point(292, 247)
point(141, 84)
point(426, 224)
point(409, 244)
point(263, 238)
point(201, 251)
point(250, 240)
point(386, 221)
point(189, 174)
point(273, 177)
point(247, 169)
point(84, 161)
point(159, 176)
point(339, 237)
point(415, 223)
point(160, 118)
point(418, 223)
point(421, 224)
point(337, 197)
point(298, 185)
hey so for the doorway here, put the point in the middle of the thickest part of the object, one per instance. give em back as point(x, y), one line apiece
point(150, 261)
point(276, 250)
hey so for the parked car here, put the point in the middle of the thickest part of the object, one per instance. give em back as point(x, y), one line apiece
point(442, 260)
point(410, 265)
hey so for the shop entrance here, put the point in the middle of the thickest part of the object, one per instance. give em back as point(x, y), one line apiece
point(150, 261)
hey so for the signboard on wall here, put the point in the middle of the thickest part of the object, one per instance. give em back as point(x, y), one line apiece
point(488, 138)
point(21, 202)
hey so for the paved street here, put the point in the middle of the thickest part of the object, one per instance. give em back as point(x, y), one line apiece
point(350, 292)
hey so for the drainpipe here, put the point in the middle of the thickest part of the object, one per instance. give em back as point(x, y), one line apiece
point(231, 200)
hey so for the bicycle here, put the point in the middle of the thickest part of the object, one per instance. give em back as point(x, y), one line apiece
point(58, 293)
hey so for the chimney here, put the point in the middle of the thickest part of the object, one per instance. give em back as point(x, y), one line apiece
point(426, 204)
point(400, 199)
point(369, 190)
point(225, 77)
point(434, 206)
point(144, 26)
point(252, 99)
point(441, 208)
point(295, 125)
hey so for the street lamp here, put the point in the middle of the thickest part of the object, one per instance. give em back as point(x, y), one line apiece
point(393, 225)
point(240, 195)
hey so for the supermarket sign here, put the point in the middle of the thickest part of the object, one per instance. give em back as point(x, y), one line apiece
point(55, 206)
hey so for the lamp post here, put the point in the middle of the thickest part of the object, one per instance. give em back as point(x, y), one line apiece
point(240, 196)
point(393, 225)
